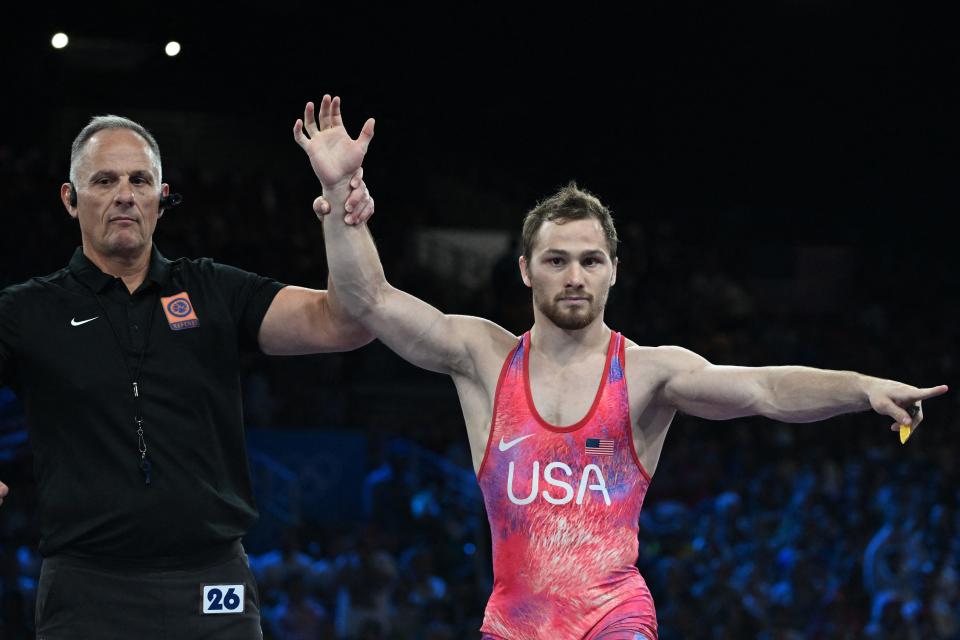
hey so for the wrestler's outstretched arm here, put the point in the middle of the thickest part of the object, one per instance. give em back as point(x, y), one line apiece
point(788, 394)
point(412, 328)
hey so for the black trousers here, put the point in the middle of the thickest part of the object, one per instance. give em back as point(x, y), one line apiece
point(82, 599)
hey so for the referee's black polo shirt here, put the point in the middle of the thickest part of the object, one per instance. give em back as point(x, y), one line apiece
point(69, 365)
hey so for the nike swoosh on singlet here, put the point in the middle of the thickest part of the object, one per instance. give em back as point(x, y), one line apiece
point(74, 323)
point(506, 445)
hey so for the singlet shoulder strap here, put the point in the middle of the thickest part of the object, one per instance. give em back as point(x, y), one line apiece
point(619, 357)
point(509, 386)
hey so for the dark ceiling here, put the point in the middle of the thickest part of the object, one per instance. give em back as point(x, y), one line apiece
point(824, 108)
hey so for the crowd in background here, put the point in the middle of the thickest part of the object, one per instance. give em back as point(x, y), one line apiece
point(751, 529)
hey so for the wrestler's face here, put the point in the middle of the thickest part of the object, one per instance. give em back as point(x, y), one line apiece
point(118, 194)
point(570, 272)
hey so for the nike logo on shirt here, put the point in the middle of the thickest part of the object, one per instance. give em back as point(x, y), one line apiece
point(75, 323)
point(506, 445)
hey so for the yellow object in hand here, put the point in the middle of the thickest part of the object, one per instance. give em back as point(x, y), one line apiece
point(905, 431)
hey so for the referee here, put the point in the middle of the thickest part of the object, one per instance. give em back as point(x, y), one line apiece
point(127, 366)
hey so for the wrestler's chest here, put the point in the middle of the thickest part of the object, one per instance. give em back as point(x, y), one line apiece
point(564, 396)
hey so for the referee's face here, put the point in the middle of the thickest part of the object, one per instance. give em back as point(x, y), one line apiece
point(118, 194)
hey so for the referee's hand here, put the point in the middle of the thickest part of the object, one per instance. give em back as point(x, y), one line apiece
point(4, 490)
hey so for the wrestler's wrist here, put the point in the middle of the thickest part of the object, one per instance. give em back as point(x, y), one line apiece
point(338, 191)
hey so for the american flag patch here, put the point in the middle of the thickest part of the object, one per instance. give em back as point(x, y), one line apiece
point(598, 447)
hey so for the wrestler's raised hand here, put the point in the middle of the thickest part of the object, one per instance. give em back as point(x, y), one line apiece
point(334, 155)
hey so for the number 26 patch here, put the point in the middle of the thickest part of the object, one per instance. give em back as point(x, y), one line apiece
point(222, 598)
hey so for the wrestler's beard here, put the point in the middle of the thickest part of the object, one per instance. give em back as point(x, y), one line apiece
point(573, 317)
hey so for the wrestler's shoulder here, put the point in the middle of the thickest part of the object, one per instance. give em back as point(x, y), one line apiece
point(666, 357)
point(485, 346)
point(484, 333)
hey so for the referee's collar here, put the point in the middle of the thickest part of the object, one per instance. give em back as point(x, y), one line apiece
point(91, 275)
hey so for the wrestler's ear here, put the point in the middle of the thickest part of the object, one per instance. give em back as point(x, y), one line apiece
point(524, 271)
point(613, 276)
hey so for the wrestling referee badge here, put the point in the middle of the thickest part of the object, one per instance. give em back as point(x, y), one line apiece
point(180, 312)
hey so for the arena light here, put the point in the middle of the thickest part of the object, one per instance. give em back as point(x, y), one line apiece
point(59, 40)
point(172, 48)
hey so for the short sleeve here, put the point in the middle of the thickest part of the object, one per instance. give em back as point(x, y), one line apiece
point(249, 296)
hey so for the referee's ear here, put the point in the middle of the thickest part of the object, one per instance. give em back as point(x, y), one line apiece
point(164, 192)
point(68, 198)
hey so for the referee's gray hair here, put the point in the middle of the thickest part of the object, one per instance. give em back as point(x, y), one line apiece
point(99, 123)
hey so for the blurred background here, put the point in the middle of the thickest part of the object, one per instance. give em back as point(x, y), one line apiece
point(782, 175)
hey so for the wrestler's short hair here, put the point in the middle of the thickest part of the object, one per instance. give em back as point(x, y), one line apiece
point(99, 123)
point(569, 203)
